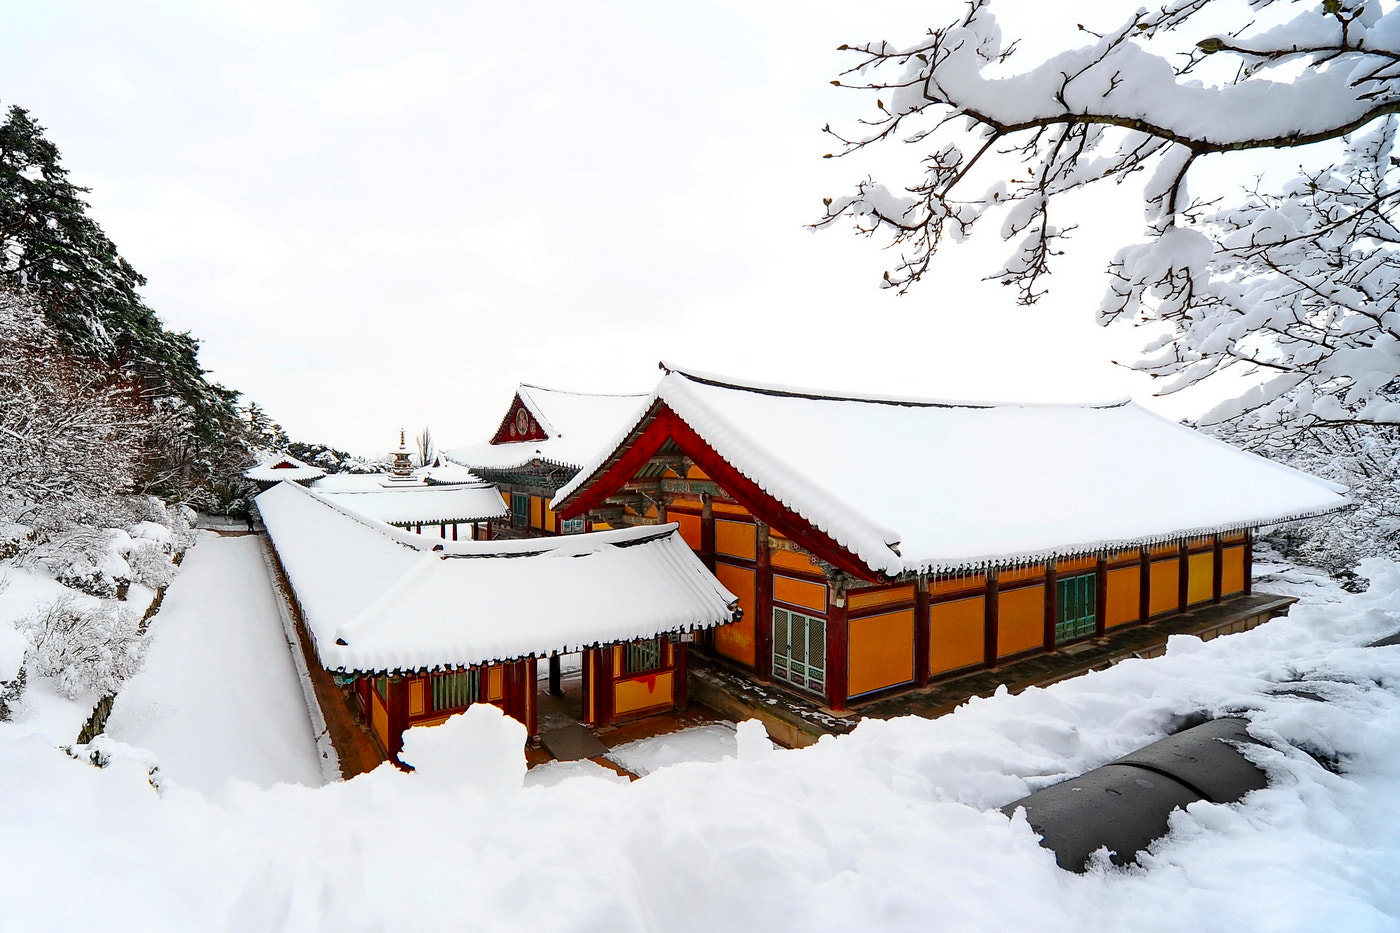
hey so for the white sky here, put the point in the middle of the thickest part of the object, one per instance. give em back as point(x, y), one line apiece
point(378, 215)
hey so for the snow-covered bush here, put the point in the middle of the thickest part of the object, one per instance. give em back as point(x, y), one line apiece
point(150, 563)
point(86, 649)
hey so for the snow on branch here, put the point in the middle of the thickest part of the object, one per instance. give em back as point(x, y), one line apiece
point(1297, 279)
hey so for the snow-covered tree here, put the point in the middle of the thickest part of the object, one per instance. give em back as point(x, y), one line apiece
point(71, 432)
point(87, 649)
point(1295, 279)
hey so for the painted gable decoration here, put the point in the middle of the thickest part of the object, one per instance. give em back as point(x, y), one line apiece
point(519, 424)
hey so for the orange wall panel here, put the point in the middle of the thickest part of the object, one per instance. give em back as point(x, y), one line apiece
point(551, 520)
point(1075, 565)
point(976, 581)
point(881, 652)
point(728, 508)
point(1124, 597)
point(736, 539)
point(1020, 620)
point(800, 592)
point(690, 528)
point(956, 634)
point(736, 640)
point(416, 703)
point(696, 473)
point(536, 512)
point(641, 693)
point(1163, 593)
point(1017, 574)
point(379, 718)
point(1232, 571)
point(898, 594)
point(793, 560)
point(1201, 585)
point(495, 683)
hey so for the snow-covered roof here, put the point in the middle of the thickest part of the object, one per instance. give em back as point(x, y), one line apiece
point(277, 467)
point(378, 599)
point(910, 485)
point(575, 424)
point(400, 504)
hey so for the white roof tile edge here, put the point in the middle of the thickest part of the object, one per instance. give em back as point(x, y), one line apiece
point(872, 545)
point(262, 470)
point(663, 542)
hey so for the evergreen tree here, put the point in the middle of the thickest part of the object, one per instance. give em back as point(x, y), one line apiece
point(52, 250)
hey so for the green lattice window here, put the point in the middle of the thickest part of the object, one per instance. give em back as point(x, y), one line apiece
point(456, 690)
point(799, 650)
point(1075, 607)
point(643, 656)
point(519, 510)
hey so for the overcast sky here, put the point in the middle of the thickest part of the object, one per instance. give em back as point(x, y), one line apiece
point(379, 215)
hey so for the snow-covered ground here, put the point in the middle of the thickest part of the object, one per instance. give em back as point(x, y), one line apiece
point(893, 827)
point(218, 697)
point(713, 742)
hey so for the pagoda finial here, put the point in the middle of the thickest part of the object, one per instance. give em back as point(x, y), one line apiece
point(401, 470)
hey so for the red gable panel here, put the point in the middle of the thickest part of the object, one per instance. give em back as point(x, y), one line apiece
point(661, 424)
point(518, 425)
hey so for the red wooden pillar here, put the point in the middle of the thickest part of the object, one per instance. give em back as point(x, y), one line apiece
point(680, 653)
point(396, 706)
point(1100, 597)
point(922, 632)
point(763, 603)
point(1145, 585)
point(1183, 575)
point(602, 685)
point(707, 532)
point(990, 620)
point(838, 638)
point(1052, 597)
point(530, 673)
point(1217, 568)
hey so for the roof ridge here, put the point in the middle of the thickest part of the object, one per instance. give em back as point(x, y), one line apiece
point(780, 391)
point(531, 385)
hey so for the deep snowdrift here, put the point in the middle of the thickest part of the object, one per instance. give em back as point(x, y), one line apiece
point(893, 827)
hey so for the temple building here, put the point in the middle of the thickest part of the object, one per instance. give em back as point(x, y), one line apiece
point(878, 543)
point(545, 436)
point(416, 628)
point(274, 468)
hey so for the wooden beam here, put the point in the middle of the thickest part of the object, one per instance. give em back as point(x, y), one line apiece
point(922, 631)
point(1052, 595)
point(1145, 585)
point(1217, 568)
point(990, 620)
point(763, 606)
point(1100, 596)
point(1183, 576)
point(838, 646)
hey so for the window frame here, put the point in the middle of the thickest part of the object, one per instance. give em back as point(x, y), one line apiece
point(643, 656)
point(519, 510)
point(1076, 607)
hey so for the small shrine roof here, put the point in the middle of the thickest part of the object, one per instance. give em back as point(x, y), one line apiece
point(276, 467)
point(377, 599)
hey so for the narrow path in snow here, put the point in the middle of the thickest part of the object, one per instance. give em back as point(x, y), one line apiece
point(219, 696)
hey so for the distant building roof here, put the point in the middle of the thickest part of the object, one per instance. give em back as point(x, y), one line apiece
point(378, 599)
point(402, 504)
point(562, 428)
point(912, 486)
point(274, 468)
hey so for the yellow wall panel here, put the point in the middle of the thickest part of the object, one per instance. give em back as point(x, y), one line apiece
point(800, 592)
point(737, 539)
point(1201, 585)
point(728, 508)
point(416, 704)
point(601, 526)
point(696, 473)
point(957, 632)
point(505, 494)
point(881, 652)
point(551, 520)
point(736, 640)
point(1017, 574)
point(1075, 565)
point(1124, 597)
point(1020, 620)
point(793, 560)
point(975, 581)
point(1163, 592)
point(641, 693)
point(536, 512)
point(379, 718)
point(495, 683)
point(690, 528)
point(898, 594)
point(1232, 571)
